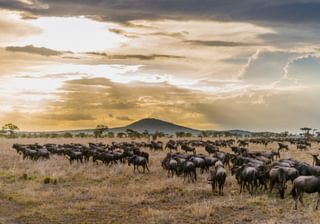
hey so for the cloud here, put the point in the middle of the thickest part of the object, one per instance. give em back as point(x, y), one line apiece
point(272, 11)
point(69, 117)
point(135, 56)
point(34, 50)
point(266, 67)
point(13, 29)
point(218, 43)
point(264, 110)
point(302, 70)
point(124, 118)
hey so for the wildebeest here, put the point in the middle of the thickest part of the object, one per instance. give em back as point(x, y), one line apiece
point(188, 169)
point(138, 161)
point(74, 155)
point(187, 148)
point(218, 177)
point(170, 164)
point(211, 148)
point(278, 175)
point(247, 177)
point(308, 184)
point(283, 146)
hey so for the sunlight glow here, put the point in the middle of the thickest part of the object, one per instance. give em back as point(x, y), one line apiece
point(76, 34)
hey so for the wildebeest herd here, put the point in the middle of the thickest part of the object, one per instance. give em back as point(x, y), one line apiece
point(254, 171)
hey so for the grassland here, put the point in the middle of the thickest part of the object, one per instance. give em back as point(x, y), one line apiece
point(90, 193)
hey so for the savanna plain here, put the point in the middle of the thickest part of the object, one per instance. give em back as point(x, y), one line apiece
point(53, 191)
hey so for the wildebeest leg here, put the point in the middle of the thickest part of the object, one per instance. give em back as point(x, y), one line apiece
point(213, 184)
point(318, 200)
point(301, 198)
point(271, 186)
point(296, 202)
point(148, 168)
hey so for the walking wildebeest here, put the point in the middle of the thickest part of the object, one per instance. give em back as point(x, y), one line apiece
point(138, 161)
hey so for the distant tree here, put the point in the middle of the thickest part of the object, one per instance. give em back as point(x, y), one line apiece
point(180, 134)
point(11, 128)
point(110, 134)
point(53, 135)
point(314, 131)
point(81, 135)
point(132, 133)
point(146, 134)
point(67, 135)
point(188, 134)
point(99, 130)
point(121, 135)
point(306, 131)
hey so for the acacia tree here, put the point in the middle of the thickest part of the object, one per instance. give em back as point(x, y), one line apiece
point(11, 128)
point(99, 130)
point(306, 131)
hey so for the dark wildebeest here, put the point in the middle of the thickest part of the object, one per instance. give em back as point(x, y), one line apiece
point(283, 146)
point(138, 161)
point(170, 164)
point(308, 184)
point(247, 177)
point(218, 177)
point(74, 155)
point(187, 148)
point(171, 145)
point(211, 149)
point(278, 175)
point(316, 160)
point(188, 168)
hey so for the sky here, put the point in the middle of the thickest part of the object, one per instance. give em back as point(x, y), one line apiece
point(210, 64)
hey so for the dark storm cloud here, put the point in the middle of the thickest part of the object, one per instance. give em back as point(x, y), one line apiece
point(34, 50)
point(227, 10)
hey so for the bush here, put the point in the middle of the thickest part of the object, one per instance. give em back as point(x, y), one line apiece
point(47, 180)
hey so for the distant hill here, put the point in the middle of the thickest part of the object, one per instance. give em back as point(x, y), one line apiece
point(153, 125)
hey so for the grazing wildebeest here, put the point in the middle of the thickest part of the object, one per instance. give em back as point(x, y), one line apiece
point(138, 161)
point(308, 184)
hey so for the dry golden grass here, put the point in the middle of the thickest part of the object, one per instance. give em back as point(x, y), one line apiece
point(90, 193)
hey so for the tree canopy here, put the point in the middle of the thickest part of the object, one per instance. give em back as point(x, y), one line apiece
point(99, 130)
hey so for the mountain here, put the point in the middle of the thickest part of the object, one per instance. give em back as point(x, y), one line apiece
point(153, 125)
